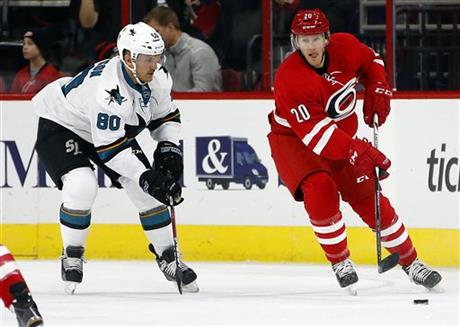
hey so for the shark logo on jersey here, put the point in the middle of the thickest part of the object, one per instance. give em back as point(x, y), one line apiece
point(115, 96)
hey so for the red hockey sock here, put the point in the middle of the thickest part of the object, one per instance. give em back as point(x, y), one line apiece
point(9, 276)
point(332, 237)
point(321, 200)
point(394, 235)
point(396, 240)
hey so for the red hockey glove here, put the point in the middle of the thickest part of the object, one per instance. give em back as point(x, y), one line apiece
point(365, 158)
point(376, 100)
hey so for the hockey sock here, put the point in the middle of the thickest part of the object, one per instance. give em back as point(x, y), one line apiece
point(396, 240)
point(321, 201)
point(157, 227)
point(394, 235)
point(74, 226)
point(332, 237)
point(10, 276)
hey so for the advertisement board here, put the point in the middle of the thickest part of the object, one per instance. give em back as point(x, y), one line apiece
point(230, 178)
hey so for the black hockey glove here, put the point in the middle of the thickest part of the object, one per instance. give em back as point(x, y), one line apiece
point(161, 186)
point(168, 158)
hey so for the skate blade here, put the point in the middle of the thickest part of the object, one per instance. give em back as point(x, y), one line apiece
point(190, 288)
point(70, 287)
point(351, 290)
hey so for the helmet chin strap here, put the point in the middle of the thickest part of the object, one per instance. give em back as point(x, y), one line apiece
point(133, 71)
point(294, 42)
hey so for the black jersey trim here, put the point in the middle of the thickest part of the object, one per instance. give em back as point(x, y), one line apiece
point(173, 116)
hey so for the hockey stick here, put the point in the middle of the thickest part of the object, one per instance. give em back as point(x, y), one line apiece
point(176, 246)
point(392, 260)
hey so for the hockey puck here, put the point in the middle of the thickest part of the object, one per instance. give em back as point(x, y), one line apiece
point(421, 301)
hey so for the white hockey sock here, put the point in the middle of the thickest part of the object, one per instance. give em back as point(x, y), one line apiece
point(73, 237)
point(161, 238)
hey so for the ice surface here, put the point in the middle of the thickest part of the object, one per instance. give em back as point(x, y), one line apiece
point(135, 293)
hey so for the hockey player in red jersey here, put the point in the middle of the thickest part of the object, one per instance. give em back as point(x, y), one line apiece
point(14, 291)
point(314, 145)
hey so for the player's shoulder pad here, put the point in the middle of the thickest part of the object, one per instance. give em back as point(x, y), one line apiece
point(162, 79)
point(345, 39)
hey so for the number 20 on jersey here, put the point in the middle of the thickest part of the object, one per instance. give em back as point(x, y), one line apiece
point(301, 113)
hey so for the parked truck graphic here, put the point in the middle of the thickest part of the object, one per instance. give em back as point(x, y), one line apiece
point(225, 159)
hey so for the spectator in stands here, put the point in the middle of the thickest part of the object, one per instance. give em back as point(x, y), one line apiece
point(193, 64)
point(38, 73)
point(196, 17)
point(203, 16)
point(102, 19)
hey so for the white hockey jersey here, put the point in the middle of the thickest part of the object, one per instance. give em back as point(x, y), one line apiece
point(105, 107)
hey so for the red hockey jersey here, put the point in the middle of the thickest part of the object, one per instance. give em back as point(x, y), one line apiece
point(319, 109)
point(24, 83)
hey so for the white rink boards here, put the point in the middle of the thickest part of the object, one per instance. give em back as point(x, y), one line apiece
point(421, 137)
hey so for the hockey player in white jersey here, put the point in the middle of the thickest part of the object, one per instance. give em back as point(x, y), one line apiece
point(95, 116)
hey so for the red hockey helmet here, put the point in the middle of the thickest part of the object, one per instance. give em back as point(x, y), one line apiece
point(311, 21)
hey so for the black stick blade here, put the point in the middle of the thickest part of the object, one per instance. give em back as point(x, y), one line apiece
point(179, 279)
point(388, 263)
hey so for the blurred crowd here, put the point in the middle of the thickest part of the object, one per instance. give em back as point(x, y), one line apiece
point(212, 45)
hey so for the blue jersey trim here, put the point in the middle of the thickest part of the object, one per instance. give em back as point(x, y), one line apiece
point(144, 90)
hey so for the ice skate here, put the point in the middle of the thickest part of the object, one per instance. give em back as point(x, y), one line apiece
point(167, 264)
point(346, 275)
point(420, 274)
point(72, 267)
point(24, 307)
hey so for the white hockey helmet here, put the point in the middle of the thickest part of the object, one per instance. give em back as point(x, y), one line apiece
point(139, 38)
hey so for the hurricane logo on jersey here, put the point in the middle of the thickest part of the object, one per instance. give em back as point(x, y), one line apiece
point(115, 96)
point(342, 103)
point(331, 78)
